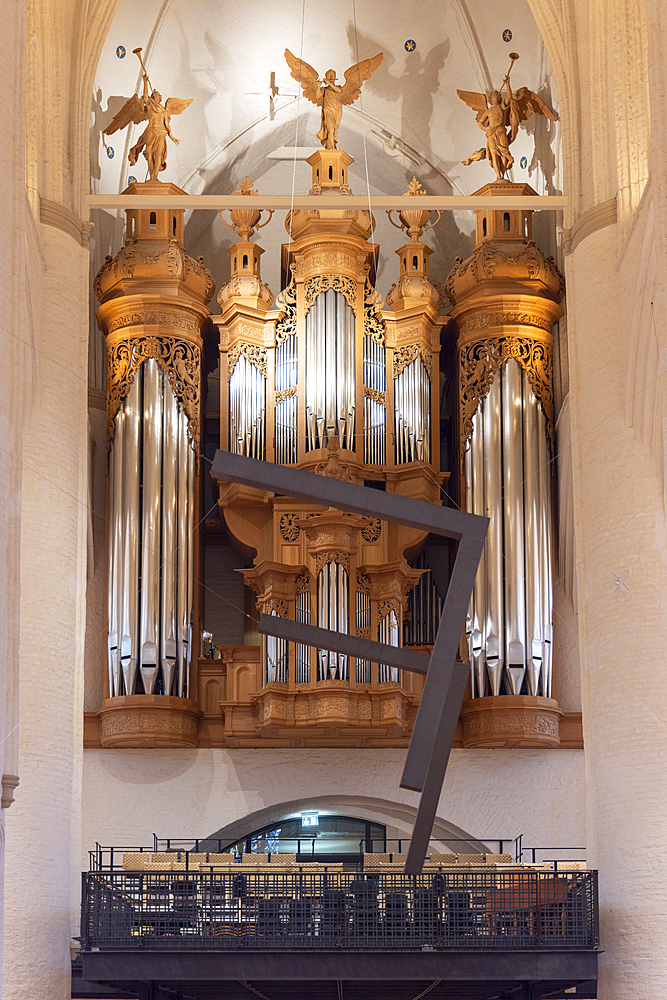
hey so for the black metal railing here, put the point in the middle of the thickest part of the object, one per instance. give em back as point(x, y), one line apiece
point(110, 858)
point(295, 910)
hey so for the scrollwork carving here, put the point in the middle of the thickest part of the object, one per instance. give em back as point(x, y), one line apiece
point(373, 322)
point(286, 302)
point(255, 355)
point(284, 394)
point(386, 607)
point(302, 583)
point(377, 394)
point(324, 558)
point(289, 529)
point(363, 583)
point(323, 282)
point(481, 361)
point(404, 356)
point(280, 608)
point(181, 362)
point(372, 531)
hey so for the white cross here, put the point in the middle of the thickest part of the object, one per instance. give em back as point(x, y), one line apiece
point(617, 580)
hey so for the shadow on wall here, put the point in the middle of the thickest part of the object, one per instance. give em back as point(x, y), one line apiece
point(415, 85)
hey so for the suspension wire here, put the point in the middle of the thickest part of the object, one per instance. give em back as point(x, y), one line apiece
point(363, 133)
point(296, 143)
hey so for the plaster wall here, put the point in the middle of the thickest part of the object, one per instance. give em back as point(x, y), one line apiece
point(130, 794)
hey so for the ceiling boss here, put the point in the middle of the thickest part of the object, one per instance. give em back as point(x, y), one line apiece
point(153, 140)
point(501, 114)
point(328, 95)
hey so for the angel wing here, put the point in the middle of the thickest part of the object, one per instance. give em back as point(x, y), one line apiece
point(355, 77)
point(132, 112)
point(474, 100)
point(175, 105)
point(524, 103)
point(306, 76)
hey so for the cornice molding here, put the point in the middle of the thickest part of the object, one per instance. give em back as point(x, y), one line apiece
point(53, 214)
point(598, 217)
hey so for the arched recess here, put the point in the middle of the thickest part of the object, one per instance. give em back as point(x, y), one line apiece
point(446, 835)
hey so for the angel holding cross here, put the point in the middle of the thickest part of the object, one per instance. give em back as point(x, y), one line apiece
point(501, 113)
point(153, 140)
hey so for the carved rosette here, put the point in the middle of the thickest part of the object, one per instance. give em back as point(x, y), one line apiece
point(480, 361)
point(179, 359)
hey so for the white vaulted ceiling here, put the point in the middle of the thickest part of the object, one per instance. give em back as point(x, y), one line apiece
point(409, 120)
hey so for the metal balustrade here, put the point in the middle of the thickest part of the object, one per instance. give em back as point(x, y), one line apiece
point(293, 910)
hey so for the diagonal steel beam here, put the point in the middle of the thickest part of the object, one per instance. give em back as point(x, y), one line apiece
point(439, 708)
point(340, 642)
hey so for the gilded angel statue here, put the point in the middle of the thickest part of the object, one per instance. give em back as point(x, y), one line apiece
point(153, 140)
point(499, 114)
point(328, 95)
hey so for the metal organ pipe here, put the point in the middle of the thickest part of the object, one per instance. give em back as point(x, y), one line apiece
point(508, 478)
point(330, 402)
point(515, 611)
point(533, 524)
point(150, 524)
point(115, 548)
point(333, 591)
point(412, 405)
point(494, 564)
point(131, 527)
point(546, 533)
point(285, 411)
point(247, 406)
point(152, 495)
point(169, 624)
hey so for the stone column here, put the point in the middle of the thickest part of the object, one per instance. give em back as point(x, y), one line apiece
point(622, 596)
point(44, 827)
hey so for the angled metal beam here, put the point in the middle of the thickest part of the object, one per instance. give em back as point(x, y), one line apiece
point(347, 496)
point(340, 642)
point(440, 704)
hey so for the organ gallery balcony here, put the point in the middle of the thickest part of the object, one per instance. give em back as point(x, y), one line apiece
point(200, 923)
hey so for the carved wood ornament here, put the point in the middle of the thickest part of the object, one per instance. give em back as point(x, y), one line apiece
point(179, 359)
point(254, 354)
point(479, 364)
point(323, 282)
point(404, 356)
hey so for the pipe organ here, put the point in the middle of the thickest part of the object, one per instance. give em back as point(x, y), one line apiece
point(331, 380)
point(153, 307)
point(346, 390)
point(505, 301)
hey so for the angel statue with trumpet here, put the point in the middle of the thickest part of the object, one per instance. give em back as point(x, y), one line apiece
point(501, 113)
point(153, 140)
point(328, 95)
